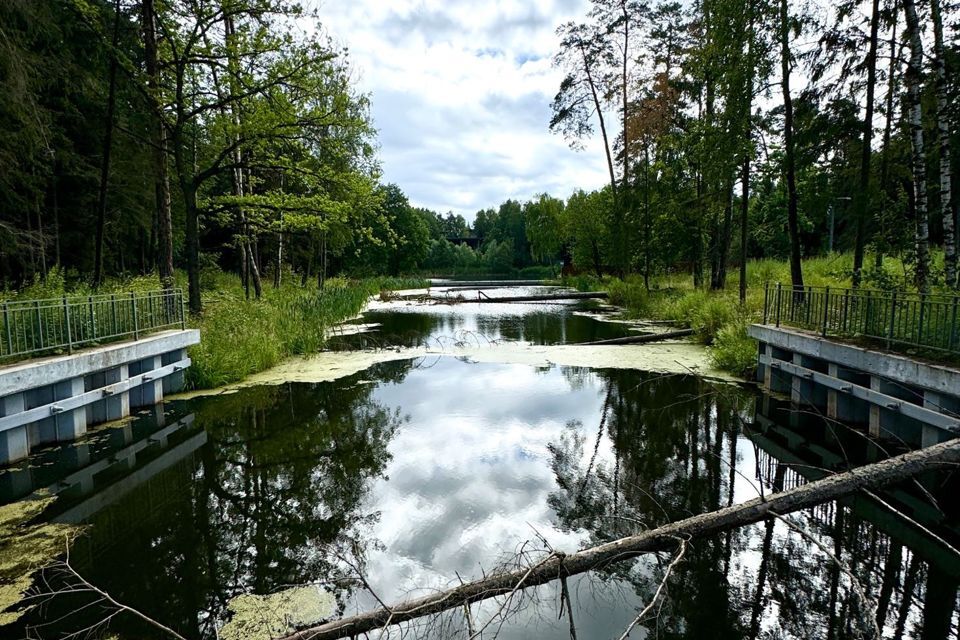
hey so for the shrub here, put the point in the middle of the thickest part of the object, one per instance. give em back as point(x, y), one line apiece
point(733, 350)
point(630, 295)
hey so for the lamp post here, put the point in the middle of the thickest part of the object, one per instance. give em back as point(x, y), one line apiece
point(830, 215)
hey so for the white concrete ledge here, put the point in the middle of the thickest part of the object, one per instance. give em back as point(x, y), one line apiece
point(893, 367)
point(76, 402)
point(44, 371)
point(55, 399)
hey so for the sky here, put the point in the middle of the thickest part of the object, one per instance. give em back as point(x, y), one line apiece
point(461, 94)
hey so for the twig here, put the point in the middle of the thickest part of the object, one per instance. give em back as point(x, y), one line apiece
point(660, 588)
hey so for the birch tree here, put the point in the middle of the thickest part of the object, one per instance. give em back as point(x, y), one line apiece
point(914, 80)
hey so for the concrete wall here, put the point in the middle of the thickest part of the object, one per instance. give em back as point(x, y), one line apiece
point(893, 396)
point(55, 399)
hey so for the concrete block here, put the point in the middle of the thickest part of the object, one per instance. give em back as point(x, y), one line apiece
point(150, 392)
point(71, 424)
point(14, 445)
point(11, 404)
point(174, 382)
point(808, 392)
point(116, 406)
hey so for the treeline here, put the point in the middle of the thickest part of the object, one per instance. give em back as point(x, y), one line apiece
point(144, 135)
point(743, 128)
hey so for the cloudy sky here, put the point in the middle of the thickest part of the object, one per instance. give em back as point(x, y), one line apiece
point(461, 97)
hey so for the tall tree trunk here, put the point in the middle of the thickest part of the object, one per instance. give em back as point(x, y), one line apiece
point(240, 186)
point(622, 212)
point(598, 107)
point(747, 153)
point(159, 135)
point(723, 251)
point(793, 223)
point(744, 210)
point(943, 129)
point(862, 198)
point(915, 124)
point(888, 127)
point(105, 157)
point(647, 222)
point(193, 247)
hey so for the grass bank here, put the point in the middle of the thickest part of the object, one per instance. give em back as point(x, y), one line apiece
point(717, 317)
point(239, 336)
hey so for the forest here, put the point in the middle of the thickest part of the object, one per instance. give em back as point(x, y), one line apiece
point(168, 136)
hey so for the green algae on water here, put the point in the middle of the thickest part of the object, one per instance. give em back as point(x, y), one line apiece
point(265, 617)
point(24, 549)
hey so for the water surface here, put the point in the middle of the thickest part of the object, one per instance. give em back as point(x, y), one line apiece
point(419, 473)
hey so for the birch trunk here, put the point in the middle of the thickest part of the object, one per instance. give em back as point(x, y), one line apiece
point(915, 124)
point(943, 131)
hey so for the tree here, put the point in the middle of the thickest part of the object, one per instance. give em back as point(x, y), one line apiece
point(793, 225)
point(585, 222)
point(543, 221)
point(947, 212)
point(151, 54)
point(914, 78)
point(578, 101)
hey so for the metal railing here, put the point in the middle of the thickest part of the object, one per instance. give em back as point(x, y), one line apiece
point(40, 327)
point(897, 320)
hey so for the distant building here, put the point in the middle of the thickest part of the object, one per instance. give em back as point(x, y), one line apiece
point(472, 241)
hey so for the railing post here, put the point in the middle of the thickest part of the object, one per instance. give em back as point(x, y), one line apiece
point(766, 299)
point(952, 339)
point(66, 320)
point(36, 306)
point(866, 314)
point(826, 306)
point(93, 320)
point(923, 317)
point(844, 313)
point(183, 315)
point(113, 313)
point(9, 330)
point(133, 306)
point(893, 318)
point(779, 292)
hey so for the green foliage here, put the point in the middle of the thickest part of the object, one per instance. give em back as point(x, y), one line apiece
point(631, 295)
point(733, 350)
point(544, 227)
point(242, 337)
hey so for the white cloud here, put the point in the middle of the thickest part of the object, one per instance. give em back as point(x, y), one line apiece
point(461, 96)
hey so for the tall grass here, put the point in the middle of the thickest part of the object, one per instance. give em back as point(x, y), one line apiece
point(240, 337)
point(717, 317)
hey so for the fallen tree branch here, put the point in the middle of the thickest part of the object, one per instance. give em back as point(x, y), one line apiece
point(489, 284)
point(941, 456)
point(649, 337)
point(547, 297)
point(656, 595)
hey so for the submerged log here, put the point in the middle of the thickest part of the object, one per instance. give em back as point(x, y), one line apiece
point(547, 297)
point(490, 284)
point(556, 565)
point(649, 337)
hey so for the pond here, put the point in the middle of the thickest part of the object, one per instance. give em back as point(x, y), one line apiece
point(421, 471)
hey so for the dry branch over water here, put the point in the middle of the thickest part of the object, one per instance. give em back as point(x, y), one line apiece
point(557, 565)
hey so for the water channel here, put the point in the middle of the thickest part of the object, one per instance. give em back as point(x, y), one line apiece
point(422, 468)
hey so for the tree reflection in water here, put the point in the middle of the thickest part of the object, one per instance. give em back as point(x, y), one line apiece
point(677, 447)
point(275, 498)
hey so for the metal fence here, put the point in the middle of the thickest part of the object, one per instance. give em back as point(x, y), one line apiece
point(40, 327)
point(898, 320)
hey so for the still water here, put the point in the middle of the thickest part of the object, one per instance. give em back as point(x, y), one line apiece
point(418, 473)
